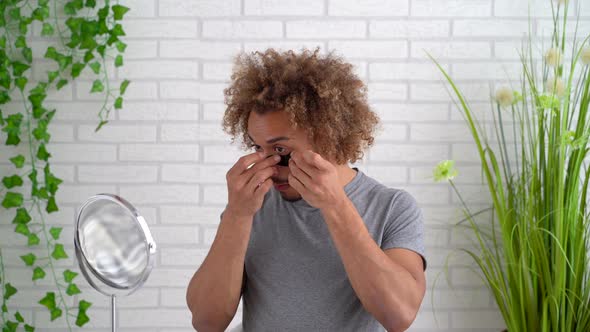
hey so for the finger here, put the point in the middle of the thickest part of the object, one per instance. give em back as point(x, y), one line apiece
point(259, 178)
point(263, 188)
point(314, 159)
point(299, 174)
point(245, 162)
point(267, 162)
point(296, 184)
point(305, 166)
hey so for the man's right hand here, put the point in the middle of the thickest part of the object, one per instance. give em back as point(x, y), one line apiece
point(247, 186)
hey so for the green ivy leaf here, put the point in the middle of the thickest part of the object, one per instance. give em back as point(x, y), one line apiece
point(82, 318)
point(118, 61)
point(33, 240)
point(20, 42)
point(119, 11)
point(55, 314)
point(55, 231)
point(117, 30)
point(61, 83)
point(40, 13)
point(95, 66)
point(19, 317)
point(90, 3)
point(21, 217)
point(38, 273)
point(48, 301)
point(47, 30)
point(37, 99)
point(4, 97)
point(14, 14)
point(97, 86)
point(42, 153)
point(3, 42)
point(52, 75)
point(9, 291)
point(72, 290)
point(27, 53)
point(18, 161)
point(59, 252)
point(10, 326)
point(121, 46)
point(51, 205)
point(51, 181)
point(22, 229)
point(29, 259)
point(123, 87)
point(77, 69)
point(13, 181)
point(18, 68)
point(118, 103)
point(51, 53)
point(12, 199)
point(21, 82)
point(69, 275)
point(29, 328)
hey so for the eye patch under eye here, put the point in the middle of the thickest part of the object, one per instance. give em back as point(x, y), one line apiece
point(284, 159)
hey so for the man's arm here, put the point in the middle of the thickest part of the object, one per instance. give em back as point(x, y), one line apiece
point(213, 294)
point(390, 284)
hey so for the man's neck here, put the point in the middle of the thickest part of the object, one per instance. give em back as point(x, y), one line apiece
point(345, 174)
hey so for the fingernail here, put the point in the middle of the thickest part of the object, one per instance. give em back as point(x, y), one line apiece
point(277, 157)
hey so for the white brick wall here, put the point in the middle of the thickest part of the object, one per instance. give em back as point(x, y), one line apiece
point(166, 153)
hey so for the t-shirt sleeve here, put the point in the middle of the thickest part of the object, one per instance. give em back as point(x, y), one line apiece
point(404, 227)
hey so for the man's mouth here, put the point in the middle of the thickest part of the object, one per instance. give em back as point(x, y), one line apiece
point(281, 185)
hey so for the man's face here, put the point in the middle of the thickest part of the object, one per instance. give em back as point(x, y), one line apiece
point(271, 133)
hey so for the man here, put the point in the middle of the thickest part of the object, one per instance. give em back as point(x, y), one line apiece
point(312, 245)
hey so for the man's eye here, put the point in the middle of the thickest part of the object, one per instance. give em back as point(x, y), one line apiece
point(279, 149)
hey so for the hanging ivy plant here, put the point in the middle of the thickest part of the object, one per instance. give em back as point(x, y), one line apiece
point(83, 35)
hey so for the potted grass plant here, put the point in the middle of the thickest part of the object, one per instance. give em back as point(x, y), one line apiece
point(534, 254)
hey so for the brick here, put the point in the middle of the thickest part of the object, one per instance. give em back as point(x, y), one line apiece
point(215, 195)
point(490, 28)
point(117, 133)
point(437, 92)
point(217, 71)
point(326, 29)
point(380, 71)
point(203, 8)
point(404, 112)
point(392, 132)
point(371, 49)
point(137, 90)
point(545, 28)
point(198, 49)
point(155, 318)
point(77, 194)
point(194, 173)
point(160, 69)
point(193, 132)
point(389, 174)
point(451, 50)
point(368, 8)
point(117, 174)
point(222, 153)
point(451, 8)
point(157, 111)
point(387, 91)
point(443, 132)
point(177, 215)
point(191, 90)
point(285, 45)
point(159, 152)
point(242, 29)
point(283, 7)
point(404, 29)
point(96, 153)
point(175, 235)
point(477, 319)
point(387, 152)
point(161, 193)
point(487, 71)
point(76, 111)
point(508, 8)
point(213, 112)
point(140, 8)
point(183, 256)
point(173, 297)
point(161, 28)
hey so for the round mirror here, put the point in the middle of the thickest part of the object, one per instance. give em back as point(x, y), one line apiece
point(114, 246)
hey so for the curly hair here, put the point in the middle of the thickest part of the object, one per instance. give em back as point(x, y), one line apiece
point(320, 94)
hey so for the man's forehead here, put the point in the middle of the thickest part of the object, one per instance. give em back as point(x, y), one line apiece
point(272, 139)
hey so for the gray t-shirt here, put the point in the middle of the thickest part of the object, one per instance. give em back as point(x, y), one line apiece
point(295, 278)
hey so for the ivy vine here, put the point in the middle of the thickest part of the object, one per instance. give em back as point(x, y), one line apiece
point(83, 35)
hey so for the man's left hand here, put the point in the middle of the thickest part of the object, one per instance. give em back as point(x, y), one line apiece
point(316, 179)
